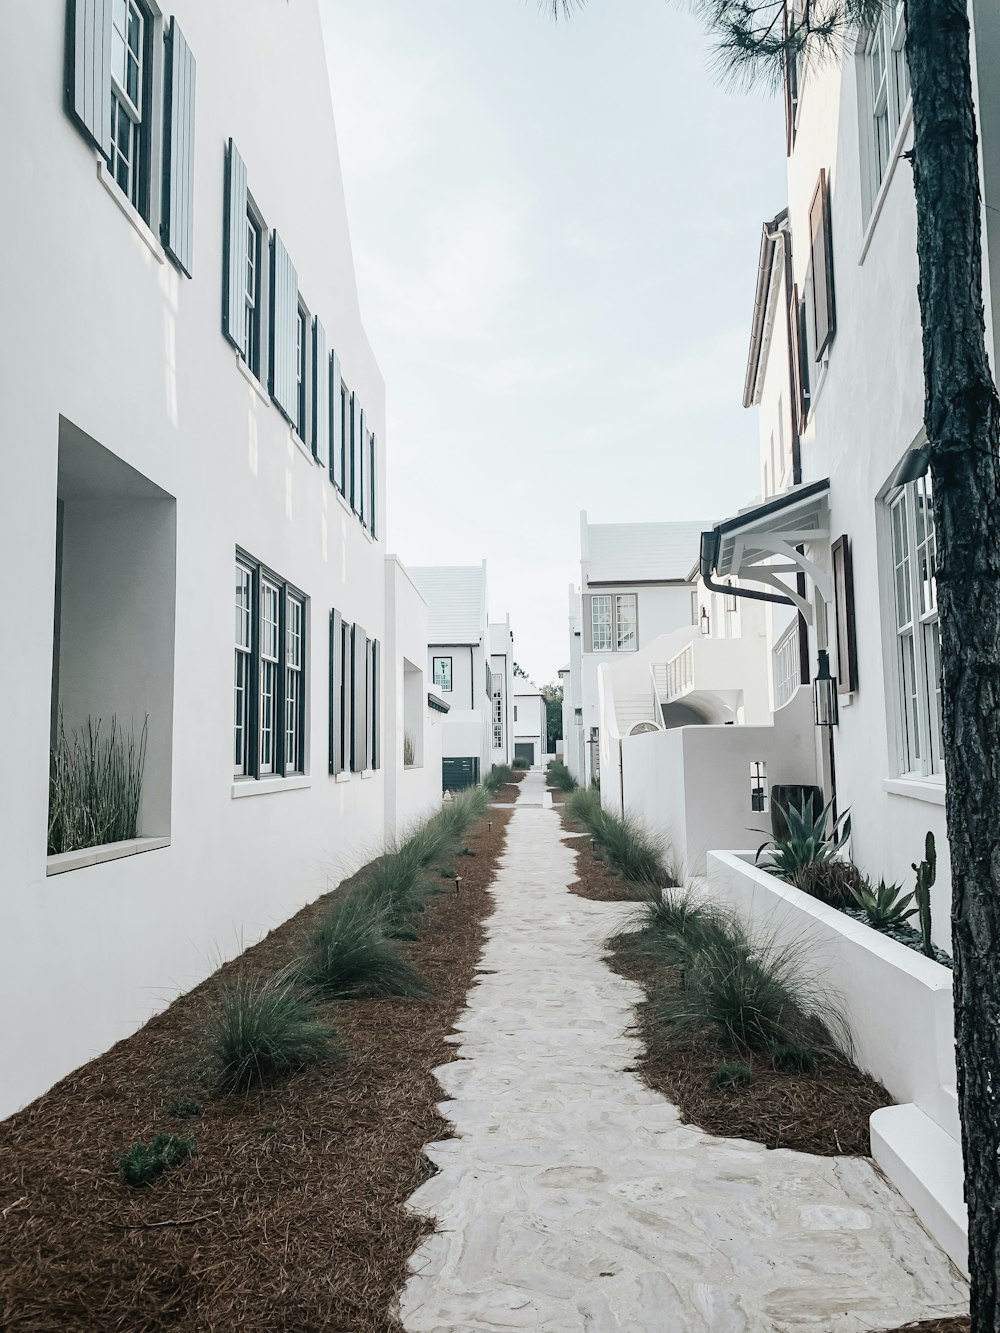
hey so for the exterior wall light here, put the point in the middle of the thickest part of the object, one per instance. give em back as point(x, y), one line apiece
point(824, 693)
point(915, 464)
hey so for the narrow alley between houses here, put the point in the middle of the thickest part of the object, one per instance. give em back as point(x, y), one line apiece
point(573, 1197)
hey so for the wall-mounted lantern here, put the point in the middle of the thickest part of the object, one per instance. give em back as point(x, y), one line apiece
point(824, 693)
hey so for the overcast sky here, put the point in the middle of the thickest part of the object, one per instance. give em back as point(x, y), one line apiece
point(555, 230)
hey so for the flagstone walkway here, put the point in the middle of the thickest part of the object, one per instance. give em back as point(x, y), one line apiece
point(572, 1197)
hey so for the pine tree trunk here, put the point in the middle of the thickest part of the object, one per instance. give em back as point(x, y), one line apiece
point(961, 415)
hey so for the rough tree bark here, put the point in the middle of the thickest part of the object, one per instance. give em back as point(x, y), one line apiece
point(963, 428)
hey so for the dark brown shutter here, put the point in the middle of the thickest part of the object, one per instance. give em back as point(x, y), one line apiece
point(284, 324)
point(177, 228)
point(234, 268)
point(88, 69)
point(821, 250)
point(843, 589)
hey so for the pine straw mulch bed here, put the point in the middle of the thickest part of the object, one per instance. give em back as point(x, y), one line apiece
point(824, 1112)
point(958, 1324)
point(289, 1217)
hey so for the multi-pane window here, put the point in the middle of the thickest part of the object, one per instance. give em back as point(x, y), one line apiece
point(497, 690)
point(786, 666)
point(441, 673)
point(301, 352)
point(887, 89)
point(625, 622)
point(918, 642)
point(614, 622)
point(270, 674)
point(251, 297)
point(128, 47)
point(600, 616)
point(244, 647)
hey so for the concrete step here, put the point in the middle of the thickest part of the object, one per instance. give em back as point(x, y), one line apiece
point(925, 1165)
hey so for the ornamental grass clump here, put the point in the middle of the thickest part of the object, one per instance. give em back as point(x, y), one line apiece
point(521, 762)
point(497, 777)
point(95, 783)
point(673, 925)
point(560, 777)
point(584, 805)
point(632, 850)
point(144, 1162)
point(265, 1029)
point(755, 990)
point(350, 955)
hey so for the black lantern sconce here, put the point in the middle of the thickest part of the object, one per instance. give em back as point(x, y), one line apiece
point(824, 693)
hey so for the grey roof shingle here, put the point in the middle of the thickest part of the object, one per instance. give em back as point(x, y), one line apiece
point(647, 552)
point(456, 601)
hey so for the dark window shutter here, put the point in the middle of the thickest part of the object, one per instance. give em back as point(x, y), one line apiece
point(284, 322)
point(177, 228)
point(821, 250)
point(321, 395)
point(359, 681)
point(376, 757)
point(336, 688)
point(800, 358)
point(350, 478)
point(373, 485)
point(360, 482)
point(336, 424)
point(88, 69)
point(843, 589)
point(346, 695)
point(235, 262)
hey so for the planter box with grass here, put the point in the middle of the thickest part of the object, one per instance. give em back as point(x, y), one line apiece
point(898, 1008)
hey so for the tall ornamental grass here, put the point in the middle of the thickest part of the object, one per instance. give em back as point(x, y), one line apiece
point(95, 784)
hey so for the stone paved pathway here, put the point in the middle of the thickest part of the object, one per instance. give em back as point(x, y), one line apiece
point(572, 1197)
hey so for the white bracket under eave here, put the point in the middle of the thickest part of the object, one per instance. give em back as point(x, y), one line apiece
point(753, 559)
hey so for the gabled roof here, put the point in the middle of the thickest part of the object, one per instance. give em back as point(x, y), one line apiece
point(456, 602)
point(640, 552)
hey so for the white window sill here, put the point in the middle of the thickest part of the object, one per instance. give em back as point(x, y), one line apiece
point(263, 786)
point(252, 379)
point(369, 773)
point(110, 851)
point(883, 189)
point(343, 777)
point(917, 789)
point(135, 218)
point(301, 445)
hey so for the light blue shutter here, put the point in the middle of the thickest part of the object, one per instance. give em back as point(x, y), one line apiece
point(336, 424)
point(284, 321)
point(177, 229)
point(88, 69)
point(234, 268)
point(321, 395)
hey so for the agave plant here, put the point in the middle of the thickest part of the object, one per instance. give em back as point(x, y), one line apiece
point(809, 840)
point(884, 904)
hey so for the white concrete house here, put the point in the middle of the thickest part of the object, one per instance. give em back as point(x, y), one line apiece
point(635, 584)
point(835, 373)
point(471, 664)
point(193, 503)
point(530, 729)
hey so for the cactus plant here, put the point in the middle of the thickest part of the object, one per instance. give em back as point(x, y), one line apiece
point(926, 871)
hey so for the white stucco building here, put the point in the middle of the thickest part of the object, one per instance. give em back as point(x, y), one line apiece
point(470, 662)
point(529, 723)
point(193, 503)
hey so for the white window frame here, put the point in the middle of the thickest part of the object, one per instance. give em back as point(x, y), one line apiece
point(914, 621)
point(128, 162)
point(884, 94)
point(243, 680)
point(602, 625)
point(626, 627)
point(786, 666)
point(498, 709)
point(439, 684)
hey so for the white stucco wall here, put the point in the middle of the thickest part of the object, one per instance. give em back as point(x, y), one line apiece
point(530, 725)
point(101, 331)
point(411, 792)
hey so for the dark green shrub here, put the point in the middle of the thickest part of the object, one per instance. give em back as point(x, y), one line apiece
point(145, 1161)
point(521, 762)
point(560, 777)
point(350, 955)
point(184, 1108)
point(674, 925)
point(792, 1058)
point(264, 1029)
point(498, 776)
point(584, 805)
point(731, 1075)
